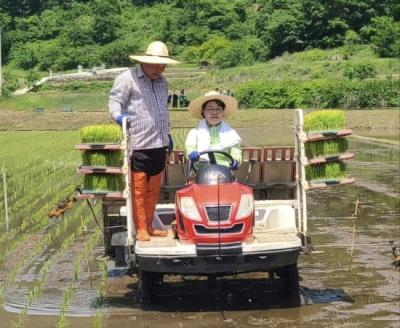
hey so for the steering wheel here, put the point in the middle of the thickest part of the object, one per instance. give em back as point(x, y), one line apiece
point(211, 156)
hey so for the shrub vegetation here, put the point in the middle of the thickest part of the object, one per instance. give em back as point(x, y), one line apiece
point(319, 94)
point(59, 35)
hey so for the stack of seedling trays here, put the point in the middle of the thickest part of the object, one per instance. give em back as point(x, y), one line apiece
point(325, 148)
point(102, 161)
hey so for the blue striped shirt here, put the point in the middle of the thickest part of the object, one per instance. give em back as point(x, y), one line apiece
point(145, 101)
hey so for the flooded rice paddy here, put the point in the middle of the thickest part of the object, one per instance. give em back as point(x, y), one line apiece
point(348, 281)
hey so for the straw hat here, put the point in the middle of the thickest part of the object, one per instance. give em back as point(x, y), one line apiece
point(195, 106)
point(156, 53)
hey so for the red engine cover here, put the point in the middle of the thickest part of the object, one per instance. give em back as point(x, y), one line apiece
point(217, 223)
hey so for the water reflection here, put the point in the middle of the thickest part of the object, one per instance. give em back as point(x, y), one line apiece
point(376, 166)
point(320, 296)
point(366, 275)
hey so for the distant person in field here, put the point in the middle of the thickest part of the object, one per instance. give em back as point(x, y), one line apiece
point(183, 102)
point(228, 93)
point(212, 132)
point(174, 100)
point(141, 94)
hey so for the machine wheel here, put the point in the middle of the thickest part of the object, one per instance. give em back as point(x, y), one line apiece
point(289, 281)
point(148, 286)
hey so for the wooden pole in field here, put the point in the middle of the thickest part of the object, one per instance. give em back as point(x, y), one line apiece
point(355, 216)
point(301, 177)
point(5, 199)
point(1, 73)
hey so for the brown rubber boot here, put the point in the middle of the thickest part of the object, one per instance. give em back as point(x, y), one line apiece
point(139, 185)
point(153, 190)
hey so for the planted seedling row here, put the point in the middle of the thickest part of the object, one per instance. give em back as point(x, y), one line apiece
point(69, 290)
point(41, 160)
point(30, 189)
point(35, 291)
point(36, 222)
point(97, 320)
point(28, 216)
point(59, 230)
point(18, 186)
point(23, 201)
point(36, 168)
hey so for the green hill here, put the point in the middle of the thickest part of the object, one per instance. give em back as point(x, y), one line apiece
point(59, 35)
point(272, 54)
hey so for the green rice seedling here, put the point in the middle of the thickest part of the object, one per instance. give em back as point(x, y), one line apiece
point(97, 320)
point(77, 270)
point(326, 171)
point(102, 158)
point(102, 287)
point(103, 182)
point(101, 134)
point(326, 147)
point(71, 288)
point(62, 322)
point(324, 120)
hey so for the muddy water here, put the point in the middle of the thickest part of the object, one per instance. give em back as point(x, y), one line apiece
point(337, 289)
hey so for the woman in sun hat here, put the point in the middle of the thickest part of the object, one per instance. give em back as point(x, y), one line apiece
point(141, 94)
point(212, 132)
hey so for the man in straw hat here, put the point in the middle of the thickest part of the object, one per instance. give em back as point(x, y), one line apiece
point(213, 133)
point(141, 94)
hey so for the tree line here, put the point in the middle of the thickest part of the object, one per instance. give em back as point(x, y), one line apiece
point(62, 34)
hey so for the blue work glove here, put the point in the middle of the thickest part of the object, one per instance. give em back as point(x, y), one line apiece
point(170, 144)
point(234, 166)
point(120, 117)
point(194, 156)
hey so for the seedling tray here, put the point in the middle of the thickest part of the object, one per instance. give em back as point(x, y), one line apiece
point(315, 184)
point(99, 169)
point(87, 194)
point(326, 135)
point(330, 158)
point(98, 147)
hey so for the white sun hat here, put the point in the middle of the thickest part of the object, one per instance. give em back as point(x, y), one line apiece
point(196, 105)
point(156, 53)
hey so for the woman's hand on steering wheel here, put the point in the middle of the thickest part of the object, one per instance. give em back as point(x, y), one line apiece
point(233, 165)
